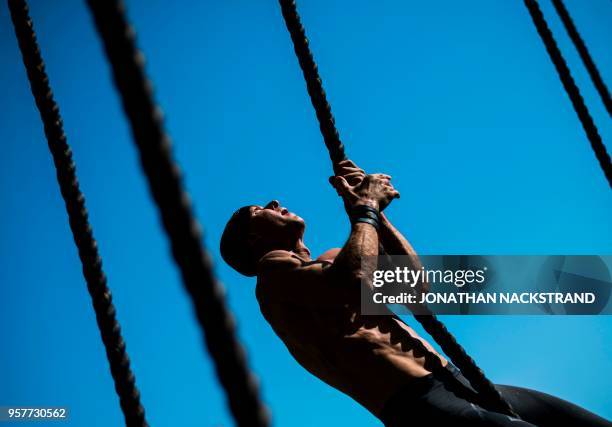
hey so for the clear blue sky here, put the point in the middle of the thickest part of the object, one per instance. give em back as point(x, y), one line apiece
point(457, 100)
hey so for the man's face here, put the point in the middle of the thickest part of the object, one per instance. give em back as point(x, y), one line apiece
point(273, 221)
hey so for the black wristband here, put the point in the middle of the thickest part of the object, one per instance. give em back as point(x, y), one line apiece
point(365, 208)
point(365, 214)
point(370, 221)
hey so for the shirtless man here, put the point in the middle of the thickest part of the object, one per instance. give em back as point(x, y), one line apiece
point(313, 306)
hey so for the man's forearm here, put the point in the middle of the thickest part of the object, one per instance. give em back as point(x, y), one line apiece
point(362, 242)
point(392, 240)
point(394, 243)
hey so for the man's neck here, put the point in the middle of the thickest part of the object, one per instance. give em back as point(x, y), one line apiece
point(301, 250)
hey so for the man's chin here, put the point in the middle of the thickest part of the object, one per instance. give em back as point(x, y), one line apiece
point(299, 222)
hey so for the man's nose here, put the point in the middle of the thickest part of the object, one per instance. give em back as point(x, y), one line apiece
point(274, 204)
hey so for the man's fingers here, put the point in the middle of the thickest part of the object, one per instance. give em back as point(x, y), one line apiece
point(348, 166)
point(394, 193)
point(344, 171)
point(347, 162)
point(383, 176)
point(354, 178)
point(352, 174)
point(340, 184)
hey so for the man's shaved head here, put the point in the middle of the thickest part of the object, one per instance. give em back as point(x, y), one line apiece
point(235, 246)
point(254, 230)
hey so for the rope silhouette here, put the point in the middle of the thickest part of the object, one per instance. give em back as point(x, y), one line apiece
point(570, 87)
point(589, 64)
point(125, 383)
point(314, 85)
point(165, 184)
point(490, 396)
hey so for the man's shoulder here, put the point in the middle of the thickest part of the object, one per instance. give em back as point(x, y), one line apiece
point(277, 259)
point(277, 255)
point(329, 255)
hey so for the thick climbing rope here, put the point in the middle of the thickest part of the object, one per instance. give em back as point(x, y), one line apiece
point(490, 396)
point(165, 184)
point(589, 64)
point(314, 85)
point(125, 383)
point(570, 87)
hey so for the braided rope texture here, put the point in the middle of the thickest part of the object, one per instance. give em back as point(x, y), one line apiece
point(313, 82)
point(184, 232)
point(125, 383)
point(570, 87)
point(589, 64)
point(490, 396)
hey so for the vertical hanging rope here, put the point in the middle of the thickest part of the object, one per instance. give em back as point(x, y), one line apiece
point(125, 383)
point(175, 208)
point(490, 396)
point(570, 87)
point(589, 64)
point(313, 82)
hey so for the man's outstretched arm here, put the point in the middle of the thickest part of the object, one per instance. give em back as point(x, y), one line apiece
point(391, 239)
point(394, 242)
point(374, 192)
